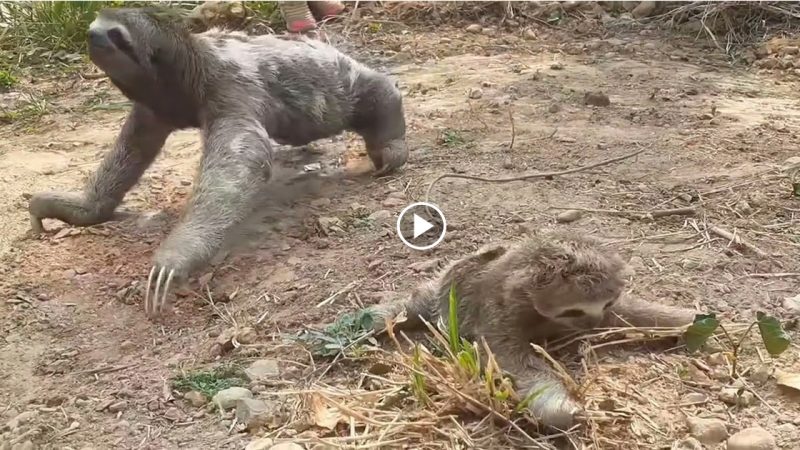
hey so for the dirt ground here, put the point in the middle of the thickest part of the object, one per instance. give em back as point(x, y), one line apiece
point(75, 339)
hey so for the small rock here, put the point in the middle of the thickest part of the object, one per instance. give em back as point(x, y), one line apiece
point(392, 202)
point(475, 93)
point(529, 34)
point(474, 28)
point(425, 266)
point(127, 345)
point(380, 216)
point(281, 274)
point(118, 406)
point(226, 398)
point(27, 445)
point(753, 438)
point(320, 202)
point(743, 207)
point(688, 443)
point(330, 225)
point(717, 359)
point(694, 397)
point(596, 99)
point(287, 446)
point(707, 431)
point(247, 336)
point(252, 413)
point(792, 304)
point(195, 398)
point(557, 66)
point(312, 167)
point(263, 369)
point(260, 444)
point(554, 108)
point(732, 396)
point(761, 374)
point(570, 215)
point(644, 9)
point(173, 414)
point(706, 116)
point(21, 419)
point(689, 264)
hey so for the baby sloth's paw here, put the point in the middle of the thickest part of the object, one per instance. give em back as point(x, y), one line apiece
point(555, 408)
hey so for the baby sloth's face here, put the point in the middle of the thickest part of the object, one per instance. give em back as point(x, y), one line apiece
point(576, 307)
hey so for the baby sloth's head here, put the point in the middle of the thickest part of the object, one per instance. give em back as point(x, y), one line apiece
point(571, 280)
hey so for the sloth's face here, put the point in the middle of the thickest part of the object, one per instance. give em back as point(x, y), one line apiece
point(126, 43)
point(576, 307)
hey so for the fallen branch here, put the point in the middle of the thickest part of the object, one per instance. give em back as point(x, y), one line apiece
point(773, 275)
point(530, 176)
point(733, 238)
point(641, 215)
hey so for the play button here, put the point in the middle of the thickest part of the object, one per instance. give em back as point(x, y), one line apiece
point(417, 229)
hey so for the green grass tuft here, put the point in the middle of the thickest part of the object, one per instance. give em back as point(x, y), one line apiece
point(210, 382)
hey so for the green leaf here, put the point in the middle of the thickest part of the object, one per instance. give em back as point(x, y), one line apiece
point(455, 340)
point(698, 333)
point(772, 333)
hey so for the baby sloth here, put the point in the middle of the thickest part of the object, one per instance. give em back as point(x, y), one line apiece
point(241, 91)
point(536, 290)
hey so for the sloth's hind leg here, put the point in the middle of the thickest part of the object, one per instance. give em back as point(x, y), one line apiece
point(379, 119)
point(141, 139)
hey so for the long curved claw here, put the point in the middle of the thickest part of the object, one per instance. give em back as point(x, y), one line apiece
point(155, 302)
point(147, 291)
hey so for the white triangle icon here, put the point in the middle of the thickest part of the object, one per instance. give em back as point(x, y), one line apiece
point(420, 226)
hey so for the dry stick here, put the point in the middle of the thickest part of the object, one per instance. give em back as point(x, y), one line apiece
point(732, 238)
point(688, 211)
point(773, 275)
point(530, 176)
point(513, 131)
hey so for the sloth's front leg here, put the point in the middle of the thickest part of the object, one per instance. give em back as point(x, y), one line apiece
point(236, 166)
point(141, 139)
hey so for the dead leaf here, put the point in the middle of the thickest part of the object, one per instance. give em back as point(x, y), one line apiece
point(788, 379)
point(321, 414)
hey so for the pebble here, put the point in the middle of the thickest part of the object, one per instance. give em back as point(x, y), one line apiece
point(287, 446)
point(761, 374)
point(425, 266)
point(474, 28)
point(253, 413)
point(732, 396)
point(392, 202)
point(127, 345)
point(259, 444)
point(475, 93)
point(263, 369)
point(753, 438)
point(643, 9)
point(226, 398)
point(707, 431)
point(118, 406)
point(596, 99)
point(570, 215)
point(688, 443)
point(380, 216)
point(320, 202)
point(246, 336)
point(529, 34)
point(792, 304)
point(195, 398)
point(694, 397)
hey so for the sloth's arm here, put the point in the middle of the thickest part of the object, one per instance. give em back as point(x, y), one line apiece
point(234, 171)
point(139, 142)
point(639, 313)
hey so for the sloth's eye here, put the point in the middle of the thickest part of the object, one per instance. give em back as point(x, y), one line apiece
point(572, 313)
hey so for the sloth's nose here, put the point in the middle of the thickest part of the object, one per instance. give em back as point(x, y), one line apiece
point(99, 38)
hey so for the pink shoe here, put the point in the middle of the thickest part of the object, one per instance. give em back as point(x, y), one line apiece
point(326, 9)
point(297, 16)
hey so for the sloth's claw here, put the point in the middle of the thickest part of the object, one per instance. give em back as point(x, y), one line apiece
point(155, 305)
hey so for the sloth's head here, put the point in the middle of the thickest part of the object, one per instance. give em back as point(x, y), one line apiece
point(571, 280)
point(133, 45)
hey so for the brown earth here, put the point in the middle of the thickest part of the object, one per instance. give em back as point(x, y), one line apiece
point(75, 338)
